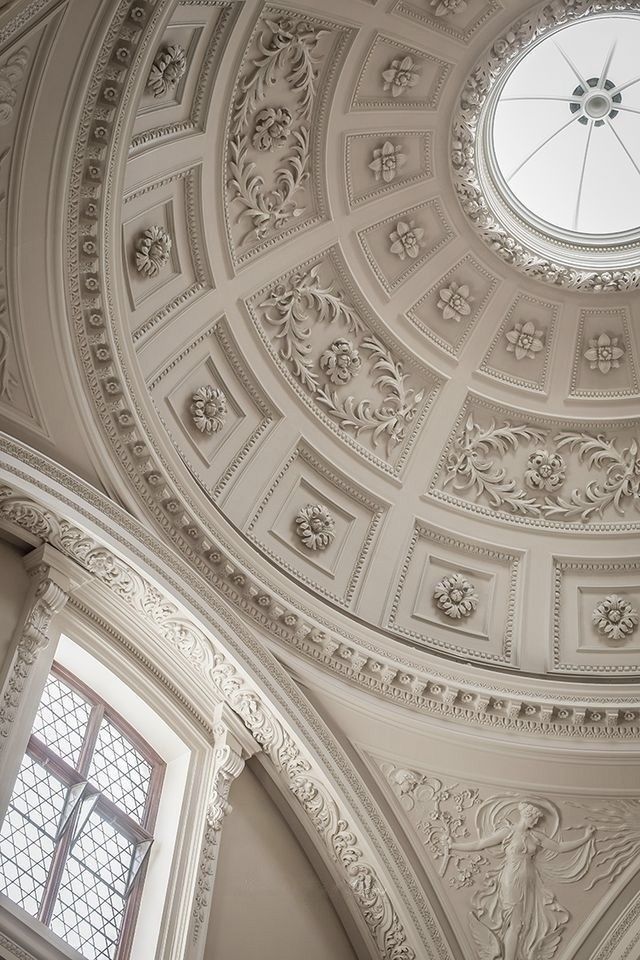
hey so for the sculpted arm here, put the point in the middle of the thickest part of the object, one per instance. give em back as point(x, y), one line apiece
point(566, 846)
point(482, 843)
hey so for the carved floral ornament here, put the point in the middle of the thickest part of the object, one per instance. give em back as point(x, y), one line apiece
point(455, 596)
point(208, 409)
point(387, 161)
point(507, 853)
point(315, 526)
point(153, 250)
point(455, 301)
point(447, 8)
point(546, 260)
point(406, 239)
point(604, 353)
point(524, 341)
point(400, 76)
point(341, 361)
point(168, 68)
point(615, 618)
point(290, 310)
point(473, 468)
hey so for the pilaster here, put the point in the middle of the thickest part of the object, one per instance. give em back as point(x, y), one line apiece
point(29, 661)
point(233, 746)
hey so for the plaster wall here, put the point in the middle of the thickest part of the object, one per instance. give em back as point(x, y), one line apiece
point(268, 902)
point(14, 583)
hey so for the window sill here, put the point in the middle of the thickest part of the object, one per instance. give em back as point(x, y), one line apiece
point(25, 938)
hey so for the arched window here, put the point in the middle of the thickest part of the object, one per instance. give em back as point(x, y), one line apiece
point(79, 826)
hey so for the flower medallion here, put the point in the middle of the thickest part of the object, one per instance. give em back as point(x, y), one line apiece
point(400, 76)
point(208, 409)
point(169, 66)
point(615, 618)
point(604, 353)
point(545, 471)
point(454, 302)
point(406, 239)
point(446, 8)
point(315, 526)
point(455, 596)
point(341, 361)
point(387, 161)
point(524, 340)
point(153, 250)
point(272, 127)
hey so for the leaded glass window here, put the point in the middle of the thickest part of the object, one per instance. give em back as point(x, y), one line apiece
point(74, 841)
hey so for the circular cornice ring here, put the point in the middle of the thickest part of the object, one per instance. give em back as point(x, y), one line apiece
point(528, 246)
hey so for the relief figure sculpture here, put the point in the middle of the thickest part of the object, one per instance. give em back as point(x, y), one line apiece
point(515, 914)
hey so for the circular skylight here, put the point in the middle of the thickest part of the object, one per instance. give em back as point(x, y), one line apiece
point(545, 145)
point(564, 129)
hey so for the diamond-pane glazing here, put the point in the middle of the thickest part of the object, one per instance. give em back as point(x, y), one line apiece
point(61, 720)
point(119, 771)
point(27, 835)
point(90, 906)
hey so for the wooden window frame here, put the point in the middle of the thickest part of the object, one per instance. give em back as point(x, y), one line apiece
point(108, 809)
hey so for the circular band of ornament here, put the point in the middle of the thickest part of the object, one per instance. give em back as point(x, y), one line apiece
point(598, 261)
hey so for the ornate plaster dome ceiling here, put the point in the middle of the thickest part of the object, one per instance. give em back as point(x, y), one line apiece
point(400, 451)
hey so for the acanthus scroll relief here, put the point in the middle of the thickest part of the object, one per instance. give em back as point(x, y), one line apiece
point(270, 156)
point(296, 316)
point(537, 473)
point(504, 856)
point(11, 73)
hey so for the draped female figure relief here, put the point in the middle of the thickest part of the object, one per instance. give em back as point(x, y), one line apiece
point(515, 914)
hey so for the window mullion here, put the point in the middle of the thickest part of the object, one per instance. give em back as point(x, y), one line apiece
point(90, 738)
point(52, 887)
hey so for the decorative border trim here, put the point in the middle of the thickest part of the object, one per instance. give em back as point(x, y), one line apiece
point(442, 695)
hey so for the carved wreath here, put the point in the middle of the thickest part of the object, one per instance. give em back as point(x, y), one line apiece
point(290, 309)
point(286, 51)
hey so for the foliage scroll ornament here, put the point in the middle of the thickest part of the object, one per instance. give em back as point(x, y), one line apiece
point(286, 52)
point(472, 468)
point(11, 74)
point(290, 309)
point(466, 142)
